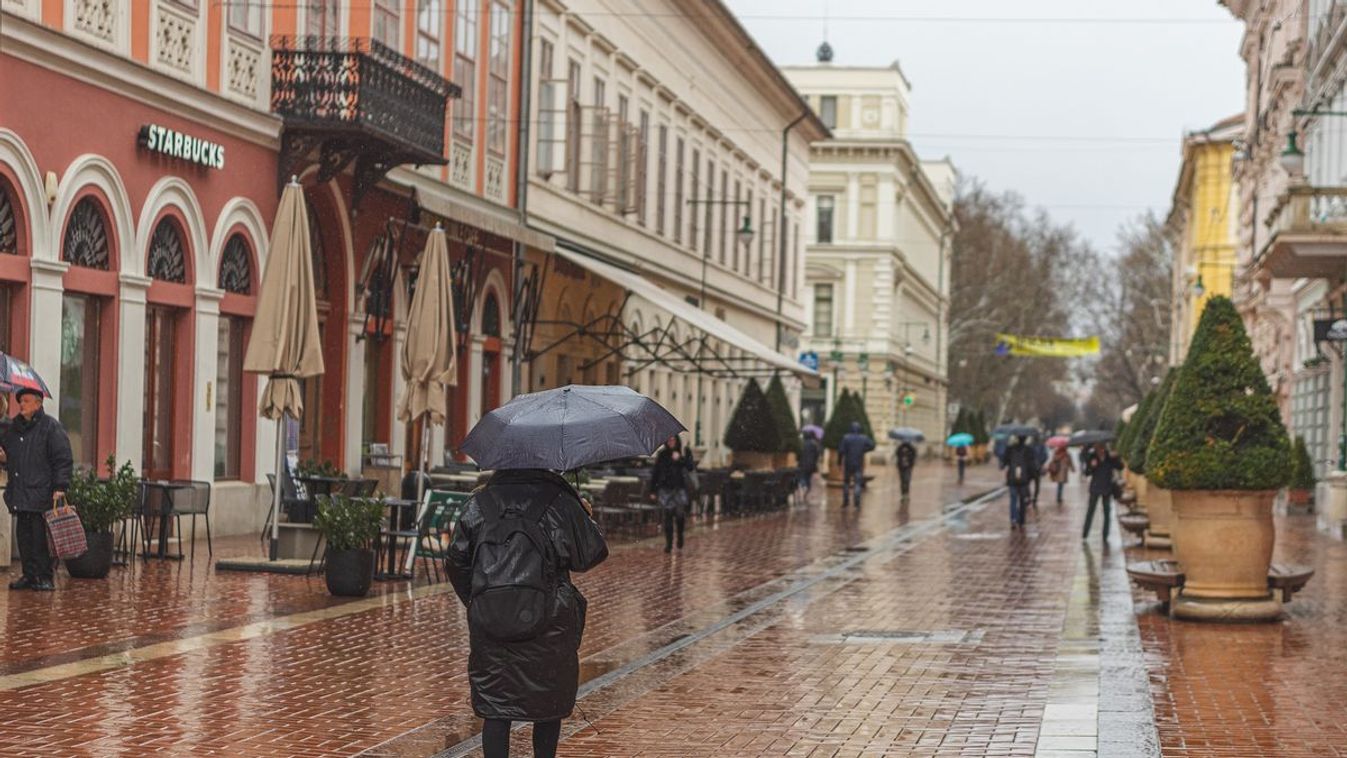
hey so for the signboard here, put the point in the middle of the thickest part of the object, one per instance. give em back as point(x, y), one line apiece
point(184, 147)
point(809, 359)
point(1046, 347)
point(1330, 330)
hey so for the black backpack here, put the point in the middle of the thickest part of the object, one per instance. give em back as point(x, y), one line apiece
point(514, 576)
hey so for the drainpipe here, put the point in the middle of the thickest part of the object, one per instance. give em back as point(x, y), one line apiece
point(781, 230)
point(522, 187)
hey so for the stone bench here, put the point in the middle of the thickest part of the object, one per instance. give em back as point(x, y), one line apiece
point(1165, 577)
point(1135, 522)
point(1288, 579)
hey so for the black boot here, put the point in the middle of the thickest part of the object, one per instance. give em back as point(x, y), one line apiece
point(22, 583)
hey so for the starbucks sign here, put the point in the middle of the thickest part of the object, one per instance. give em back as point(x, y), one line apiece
point(184, 147)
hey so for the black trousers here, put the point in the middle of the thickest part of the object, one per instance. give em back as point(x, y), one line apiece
point(673, 519)
point(496, 738)
point(905, 478)
point(31, 532)
point(1089, 515)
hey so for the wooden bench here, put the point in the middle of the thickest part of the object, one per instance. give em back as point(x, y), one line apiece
point(1163, 576)
point(1135, 523)
point(1288, 578)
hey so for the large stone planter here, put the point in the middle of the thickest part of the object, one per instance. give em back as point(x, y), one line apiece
point(1223, 540)
point(754, 461)
point(1160, 510)
point(783, 460)
point(1142, 487)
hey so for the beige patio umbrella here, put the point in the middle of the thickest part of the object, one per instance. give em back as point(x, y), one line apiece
point(285, 343)
point(428, 356)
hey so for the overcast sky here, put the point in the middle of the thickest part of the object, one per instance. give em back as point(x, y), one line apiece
point(1082, 119)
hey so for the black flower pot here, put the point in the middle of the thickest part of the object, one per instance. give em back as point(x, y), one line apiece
point(96, 561)
point(350, 572)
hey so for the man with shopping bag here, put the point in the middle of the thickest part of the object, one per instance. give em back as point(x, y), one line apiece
point(36, 452)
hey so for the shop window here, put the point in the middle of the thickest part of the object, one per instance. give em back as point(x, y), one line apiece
point(229, 397)
point(86, 237)
point(823, 310)
point(167, 262)
point(236, 268)
point(317, 255)
point(823, 225)
point(78, 410)
point(491, 316)
point(323, 18)
point(9, 228)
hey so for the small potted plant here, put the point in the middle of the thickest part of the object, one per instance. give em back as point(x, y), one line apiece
point(101, 506)
point(1220, 447)
point(752, 434)
point(349, 525)
point(1300, 492)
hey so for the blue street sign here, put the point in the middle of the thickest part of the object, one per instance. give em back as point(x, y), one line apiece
point(809, 359)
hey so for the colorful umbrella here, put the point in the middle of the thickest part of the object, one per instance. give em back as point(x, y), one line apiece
point(1058, 441)
point(813, 429)
point(962, 439)
point(16, 375)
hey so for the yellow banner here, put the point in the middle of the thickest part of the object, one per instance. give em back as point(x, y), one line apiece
point(1046, 347)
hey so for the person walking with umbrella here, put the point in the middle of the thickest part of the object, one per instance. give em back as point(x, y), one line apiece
point(519, 539)
point(1019, 462)
point(1060, 469)
point(906, 458)
point(669, 481)
point(1103, 465)
point(851, 451)
point(810, 450)
point(36, 453)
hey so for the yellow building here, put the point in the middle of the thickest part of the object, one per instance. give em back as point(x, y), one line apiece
point(1203, 217)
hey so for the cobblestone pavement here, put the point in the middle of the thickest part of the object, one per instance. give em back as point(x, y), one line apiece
point(915, 630)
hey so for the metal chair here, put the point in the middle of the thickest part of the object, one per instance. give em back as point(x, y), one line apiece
point(289, 497)
point(191, 500)
point(441, 512)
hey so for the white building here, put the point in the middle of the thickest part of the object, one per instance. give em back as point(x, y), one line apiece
point(877, 252)
point(655, 144)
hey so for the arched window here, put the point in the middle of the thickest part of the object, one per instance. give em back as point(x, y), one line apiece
point(236, 268)
point(86, 237)
point(491, 316)
point(9, 229)
point(167, 261)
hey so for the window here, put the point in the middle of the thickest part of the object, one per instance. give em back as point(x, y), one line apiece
point(644, 160)
point(734, 237)
point(678, 193)
point(236, 268)
point(823, 310)
point(661, 179)
point(491, 316)
point(465, 68)
point(387, 26)
point(573, 113)
point(229, 397)
point(79, 376)
point(7, 317)
point(827, 106)
point(710, 208)
point(429, 28)
point(246, 16)
point(546, 108)
point(322, 18)
point(598, 180)
point(724, 212)
point(498, 86)
point(776, 250)
point(623, 156)
point(824, 224)
point(86, 237)
point(762, 240)
point(160, 344)
point(696, 194)
point(166, 262)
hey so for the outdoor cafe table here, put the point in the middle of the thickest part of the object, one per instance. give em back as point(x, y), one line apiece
point(401, 523)
point(166, 490)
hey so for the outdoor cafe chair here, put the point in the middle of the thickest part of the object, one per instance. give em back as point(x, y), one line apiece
point(289, 497)
point(442, 510)
point(191, 498)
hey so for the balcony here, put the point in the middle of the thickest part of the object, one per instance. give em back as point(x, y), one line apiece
point(355, 100)
point(1309, 234)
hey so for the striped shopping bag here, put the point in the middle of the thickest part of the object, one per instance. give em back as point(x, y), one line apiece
point(65, 532)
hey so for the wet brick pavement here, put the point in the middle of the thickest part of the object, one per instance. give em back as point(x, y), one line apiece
point(895, 631)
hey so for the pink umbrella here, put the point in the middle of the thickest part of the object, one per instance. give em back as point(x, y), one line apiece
point(1058, 441)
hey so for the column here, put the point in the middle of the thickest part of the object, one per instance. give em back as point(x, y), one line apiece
point(355, 393)
point(131, 369)
point(474, 382)
point(205, 395)
point(44, 338)
point(849, 307)
point(853, 209)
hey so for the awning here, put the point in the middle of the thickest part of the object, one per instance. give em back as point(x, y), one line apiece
point(435, 197)
point(684, 311)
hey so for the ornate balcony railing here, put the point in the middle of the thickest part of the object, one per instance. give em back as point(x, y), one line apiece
point(1308, 232)
point(356, 100)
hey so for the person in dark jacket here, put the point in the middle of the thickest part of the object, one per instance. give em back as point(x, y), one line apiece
point(906, 458)
point(809, 455)
point(533, 679)
point(1019, 462)
point(36, 453)
point(851, 453)
point(1040, 463)
point(961, 457)
point(1101, 468)
point(669, 483)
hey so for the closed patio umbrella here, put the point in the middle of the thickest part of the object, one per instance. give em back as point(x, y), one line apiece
point(285, 343)
point(428, 360)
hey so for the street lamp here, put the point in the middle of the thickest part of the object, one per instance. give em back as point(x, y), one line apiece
point(745, 232)
point(1198, 289)
point(1292, 158)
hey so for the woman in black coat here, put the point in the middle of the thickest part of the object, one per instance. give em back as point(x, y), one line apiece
point(1104, 465)
point(669, 483)
point(533, 679)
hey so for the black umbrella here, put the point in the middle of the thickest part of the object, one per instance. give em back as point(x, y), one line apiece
point(1014, 430)
point(1090, 437)
point(570, 427)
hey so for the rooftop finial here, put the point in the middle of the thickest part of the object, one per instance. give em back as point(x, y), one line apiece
point(825, 53)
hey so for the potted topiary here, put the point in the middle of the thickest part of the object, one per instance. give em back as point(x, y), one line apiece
point(1300, 492)
point(1159, 502)
point(349, 525)
point(785, 423)
point(101, 506)
point(1128, 449)
point(1221, 448)
point(752, 435)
